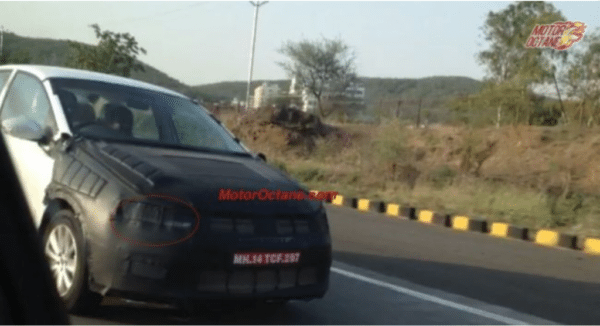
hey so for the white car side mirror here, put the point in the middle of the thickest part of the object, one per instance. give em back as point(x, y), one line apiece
point(27, 129)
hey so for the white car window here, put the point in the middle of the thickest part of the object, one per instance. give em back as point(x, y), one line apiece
point(144, 125)
point(138, 114)
point(27, 99)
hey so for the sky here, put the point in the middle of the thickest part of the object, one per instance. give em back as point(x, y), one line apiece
point(201, 42)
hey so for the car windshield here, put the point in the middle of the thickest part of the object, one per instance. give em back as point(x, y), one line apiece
point(114, 112)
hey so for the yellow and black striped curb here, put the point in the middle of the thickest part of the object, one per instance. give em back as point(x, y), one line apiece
point(541, 237)
point(431, 217)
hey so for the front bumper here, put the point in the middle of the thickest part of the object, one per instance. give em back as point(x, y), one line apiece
point(202, 268)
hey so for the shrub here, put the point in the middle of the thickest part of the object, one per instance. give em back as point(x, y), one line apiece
point(310, 174)
point(389, 144)
point(563, 210)
point(442, 176)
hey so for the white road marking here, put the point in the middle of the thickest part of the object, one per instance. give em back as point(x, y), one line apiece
point(430, 298)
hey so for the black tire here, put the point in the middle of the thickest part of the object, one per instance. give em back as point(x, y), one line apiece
point(77, 297)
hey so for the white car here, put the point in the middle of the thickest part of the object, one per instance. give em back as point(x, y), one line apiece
point(123, 181)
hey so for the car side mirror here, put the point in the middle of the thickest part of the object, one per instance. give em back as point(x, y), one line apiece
point(27, 129)
point(262, 156)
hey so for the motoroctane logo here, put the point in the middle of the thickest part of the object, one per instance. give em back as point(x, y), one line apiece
point(559, 35)
point(271, 195)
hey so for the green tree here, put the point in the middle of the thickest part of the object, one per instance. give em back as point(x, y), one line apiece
point(519, 105)
point(115, 54)
point(583, 78)
point(321, 66)
point(512, 68)
point(507, 32)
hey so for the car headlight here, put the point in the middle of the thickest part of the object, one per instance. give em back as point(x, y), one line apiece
point(157, 216)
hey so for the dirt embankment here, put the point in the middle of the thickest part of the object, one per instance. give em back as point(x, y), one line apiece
point(534, 176)
point(547, 159)
point(282, 133)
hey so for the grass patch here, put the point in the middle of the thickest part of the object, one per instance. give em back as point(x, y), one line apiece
point(390, 143)
point(483, 199)
point(309, 174)
point(442, 177)
point(512, 186)
point(280, 165)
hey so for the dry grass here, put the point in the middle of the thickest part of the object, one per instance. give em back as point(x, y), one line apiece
point(530, 176)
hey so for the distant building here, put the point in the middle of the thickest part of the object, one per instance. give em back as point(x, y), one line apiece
point(354, 93)
point(265, 92)
point(309, 101)
point(296, 93)
point(294, 87)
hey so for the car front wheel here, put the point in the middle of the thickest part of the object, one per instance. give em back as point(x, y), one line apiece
point(64, 249)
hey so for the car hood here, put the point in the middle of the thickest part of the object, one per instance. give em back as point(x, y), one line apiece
point(198, 177)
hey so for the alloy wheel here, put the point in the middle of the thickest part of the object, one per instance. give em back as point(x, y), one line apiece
point(61, 253)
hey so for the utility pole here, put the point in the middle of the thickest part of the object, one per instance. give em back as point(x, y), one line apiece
point(419, 113)
point(562, 108)
point(256, 5)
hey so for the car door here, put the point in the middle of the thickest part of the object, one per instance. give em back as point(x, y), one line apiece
point(26, 98)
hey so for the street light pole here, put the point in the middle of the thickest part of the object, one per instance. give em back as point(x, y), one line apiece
point(256, 5)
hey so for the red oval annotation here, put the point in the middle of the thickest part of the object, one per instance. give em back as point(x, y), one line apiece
point(157, 244)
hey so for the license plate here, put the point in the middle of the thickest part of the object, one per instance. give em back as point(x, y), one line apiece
point(266, 258)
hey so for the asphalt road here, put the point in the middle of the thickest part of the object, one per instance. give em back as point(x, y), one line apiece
point(393, 271)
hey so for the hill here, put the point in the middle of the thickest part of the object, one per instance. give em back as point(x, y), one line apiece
point(381, 94)
point(56, 53)
point(375, 88)
point(439, 87)
point(229, 90)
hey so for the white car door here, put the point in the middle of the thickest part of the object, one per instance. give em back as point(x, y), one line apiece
point(26, 99)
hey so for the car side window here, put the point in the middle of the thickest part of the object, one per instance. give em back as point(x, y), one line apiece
point(144, 125)
point(27, 98)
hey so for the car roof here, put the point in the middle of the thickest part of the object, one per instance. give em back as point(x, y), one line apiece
point(45, 72)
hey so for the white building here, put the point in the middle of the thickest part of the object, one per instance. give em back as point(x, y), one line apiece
point(294, 87)
point(355, 92)
point(264, 93)
point(310, 103)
